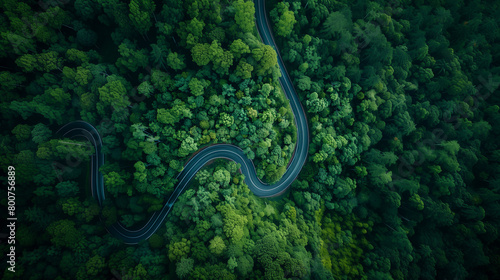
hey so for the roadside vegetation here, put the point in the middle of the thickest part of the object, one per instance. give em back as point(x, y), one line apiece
point(402, 179)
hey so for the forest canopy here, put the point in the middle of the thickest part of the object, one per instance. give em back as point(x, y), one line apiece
point(402, 176)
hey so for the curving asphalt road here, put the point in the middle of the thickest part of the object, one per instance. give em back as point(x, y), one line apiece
point(84, 129)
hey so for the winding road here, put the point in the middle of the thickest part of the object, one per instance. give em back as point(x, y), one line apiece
point(86, 130)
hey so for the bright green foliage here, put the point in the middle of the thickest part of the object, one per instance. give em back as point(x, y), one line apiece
point(244, 17)
point(164, 116)
point(45, 62)
point(222, 176)
point(77, 56)
point(139, 272)
point(315, 104)
point(57, 96)
point(95, 265)
point(61, 149)
point(191, 32)
point(27, 62)
point(244, 70)
point(221, 58)
point(188, 146)
point(114, 94)
point(239, 48)
point(266, 56)
point(217, 245)
point(140, 174)
point(252, 113)
point(48, 61)
point(72, 206)
point(176, 61)
point(283, 18)
point(178, 250)
point(114, 182)
point(197, 86)
point(268, 116)
point(201, 54)
point(226, 119)
point(273, 174)
point(233, 224)
point(160, 80)
point(232, 263)
point(83, 76)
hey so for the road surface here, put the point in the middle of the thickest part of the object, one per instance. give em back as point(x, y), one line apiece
point(86, 130)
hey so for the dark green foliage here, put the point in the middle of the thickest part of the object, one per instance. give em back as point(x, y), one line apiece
point(402, 179)
point(389, 91)
point(86, 38)
point(158, 81)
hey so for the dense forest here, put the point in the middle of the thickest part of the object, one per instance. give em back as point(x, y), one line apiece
point(402, 179)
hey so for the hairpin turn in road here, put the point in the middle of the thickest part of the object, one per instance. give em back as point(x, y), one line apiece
point(86, 130)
